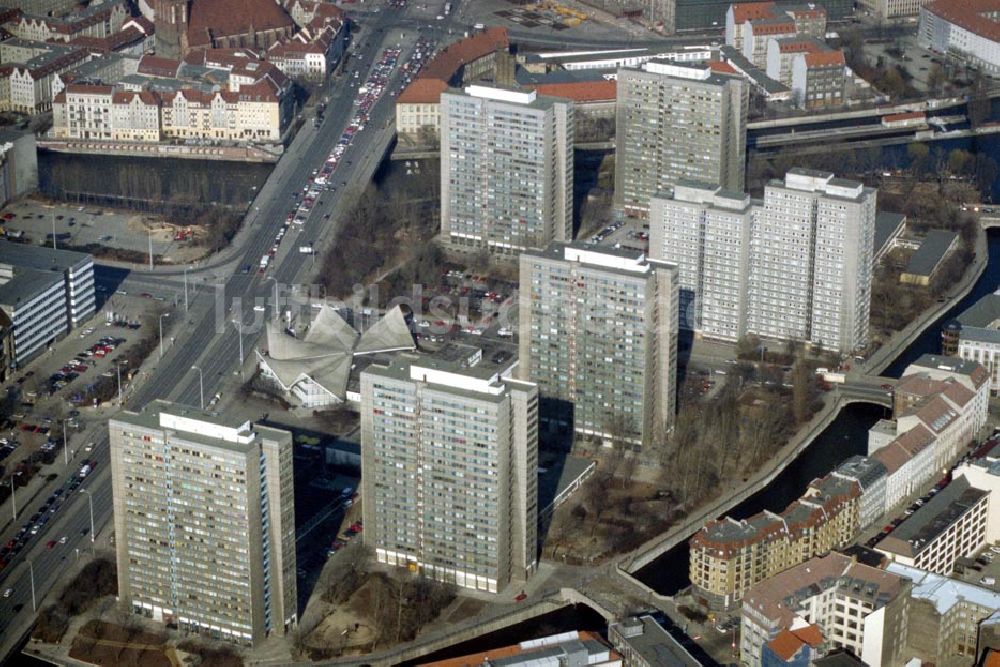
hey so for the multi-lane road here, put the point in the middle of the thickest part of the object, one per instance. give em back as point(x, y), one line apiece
point(204, 336)
point(219, 293)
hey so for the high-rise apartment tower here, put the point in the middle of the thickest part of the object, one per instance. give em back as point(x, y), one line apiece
point(796, 266)
point(677, 121)
point(506, 169)
point(598, 334)
point(449, 467)
point(204, 514)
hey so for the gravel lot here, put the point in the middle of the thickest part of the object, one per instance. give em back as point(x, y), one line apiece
point(84, 225)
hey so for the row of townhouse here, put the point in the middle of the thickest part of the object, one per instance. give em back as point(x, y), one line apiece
point(941, 403)
point(26, 86)
point(317, 48)
point(729, 556)
point(95, 112)
point(906, 608)
point(98, 20)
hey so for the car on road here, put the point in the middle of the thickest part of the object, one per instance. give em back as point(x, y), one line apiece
point(62, 540)
point(51, 544)
point(7, 592)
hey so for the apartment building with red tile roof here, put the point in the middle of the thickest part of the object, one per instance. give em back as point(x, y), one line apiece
point(830, 601)
point(464, 61)
point(728, 556)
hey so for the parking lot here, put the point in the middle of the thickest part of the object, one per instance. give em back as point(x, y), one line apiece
point(82, 226)
point(60, 384)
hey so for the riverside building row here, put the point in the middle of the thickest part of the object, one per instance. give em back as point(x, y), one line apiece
point(893, 614)
point(795, 266)
point(728, 556)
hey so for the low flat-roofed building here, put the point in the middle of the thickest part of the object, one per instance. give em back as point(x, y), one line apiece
point(642, 642)
point(45, 293)
point(572, 649)
point(929, 257)
point(944, 616)
point(984, 473)
point(888, 228)
point(949, 526)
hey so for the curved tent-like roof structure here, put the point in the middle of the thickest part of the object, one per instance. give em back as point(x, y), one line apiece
point(325, 355)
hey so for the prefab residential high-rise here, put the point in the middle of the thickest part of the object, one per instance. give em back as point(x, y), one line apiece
point(705, 231)
point(796, 266)
point(506, 169)
point(677, 121)
point(449, 467)
point(598, 332)
point(811, 268)
point(204, 514)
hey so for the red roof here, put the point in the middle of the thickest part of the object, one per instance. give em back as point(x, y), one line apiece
point(788, 642)
point(89, 89)
point(748, 11)
point(766, 27)
point(222, 18)
point(445, 63)
point(590, 91)
point(909, 115)
point(973, 15)
point(825, 59)
point(792, 45)
point(721, 67)
point(785, 645)
point(422, 91)
point(157, 66)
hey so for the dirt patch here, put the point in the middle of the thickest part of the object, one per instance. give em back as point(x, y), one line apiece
point(105, 643)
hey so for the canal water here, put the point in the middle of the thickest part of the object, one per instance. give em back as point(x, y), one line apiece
point(846, 436)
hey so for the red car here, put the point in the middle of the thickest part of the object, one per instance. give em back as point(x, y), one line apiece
point(520, 597)
point(51, 544)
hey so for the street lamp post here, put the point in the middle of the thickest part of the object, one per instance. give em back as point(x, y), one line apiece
point(31, 570)
point(161, 332)
point(118, 372)
point(90, 499)
point(13, 499)
point(201, 386)
point(275, 296)
point(239, 331)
